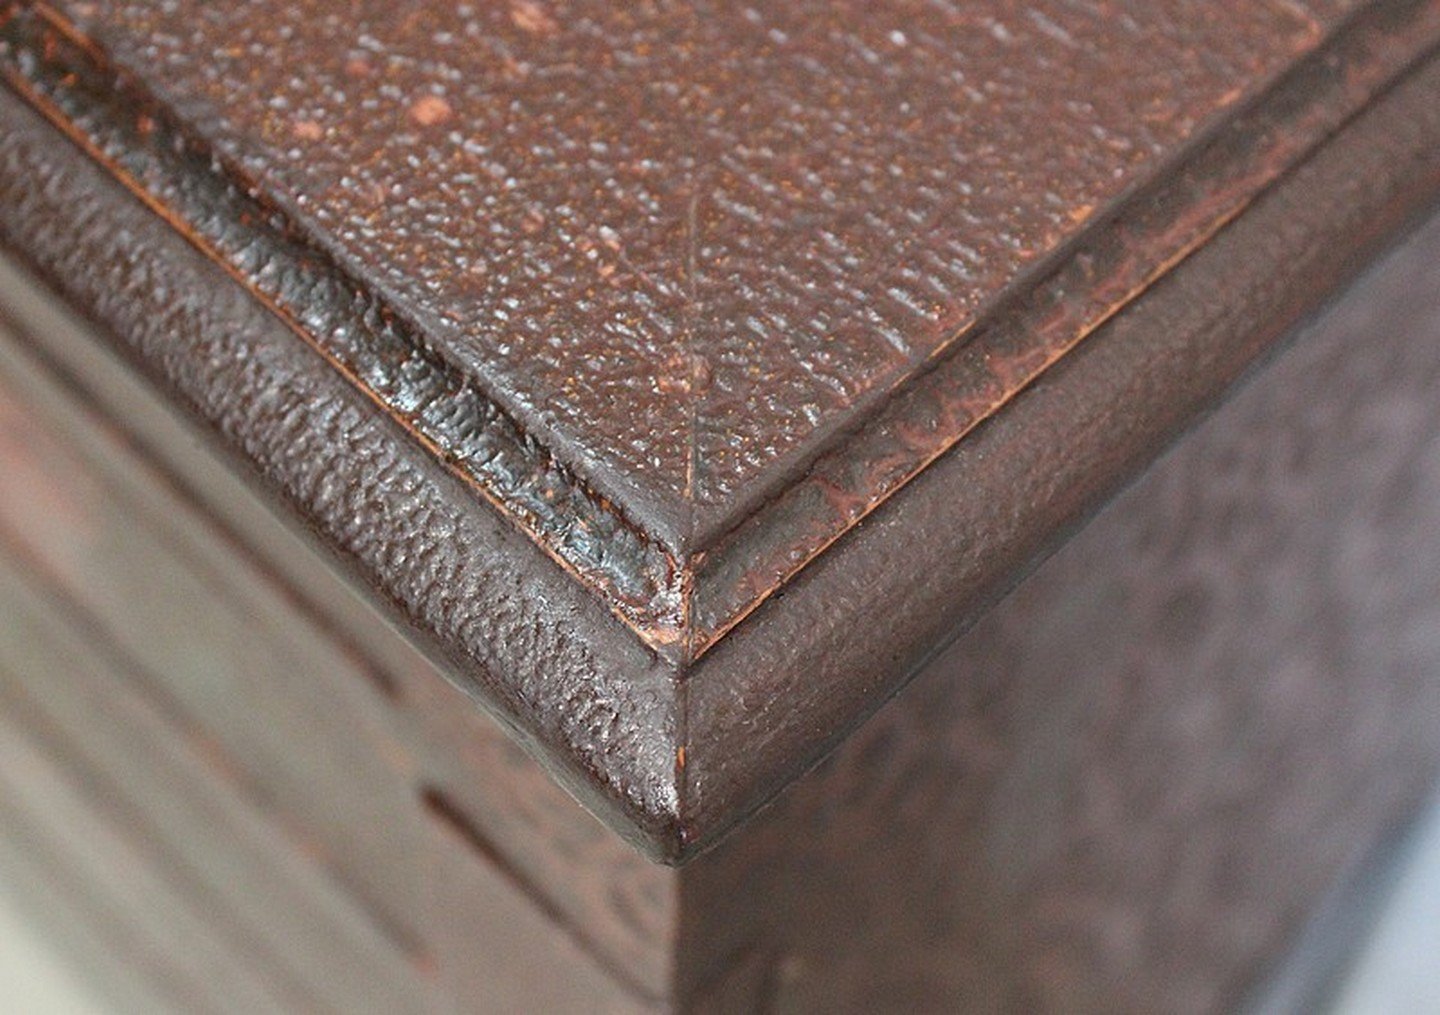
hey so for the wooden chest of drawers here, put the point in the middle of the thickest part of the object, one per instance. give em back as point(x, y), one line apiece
point(401, 441)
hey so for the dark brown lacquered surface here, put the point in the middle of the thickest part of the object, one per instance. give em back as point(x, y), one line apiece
point(387, 443)
point(685, 237)
point(676, 248)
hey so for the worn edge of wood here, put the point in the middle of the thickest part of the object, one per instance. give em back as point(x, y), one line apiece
point(782, 690)
point(679, 599)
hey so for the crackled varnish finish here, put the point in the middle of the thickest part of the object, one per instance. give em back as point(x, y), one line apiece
point(687, 246)
point(679, 379)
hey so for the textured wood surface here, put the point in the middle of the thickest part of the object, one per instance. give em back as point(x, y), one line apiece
point(684, 238)
point(963, 532)
point(320, 442)
point(1127, 787)
point(341, 739)
point(132, 802)
point(688, 236)
point(632, 314)
point(1344, 152)
point(634, 360)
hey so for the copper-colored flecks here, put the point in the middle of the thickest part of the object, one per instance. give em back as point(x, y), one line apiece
point(430, 111)
point(681, 257)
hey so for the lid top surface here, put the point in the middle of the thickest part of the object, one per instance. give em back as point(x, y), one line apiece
point(685, 243)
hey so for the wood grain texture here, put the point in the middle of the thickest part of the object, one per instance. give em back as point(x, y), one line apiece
point(204, 667)
point(181, 854)
point(212, 646)
point(248, 668)
point(88, 417)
